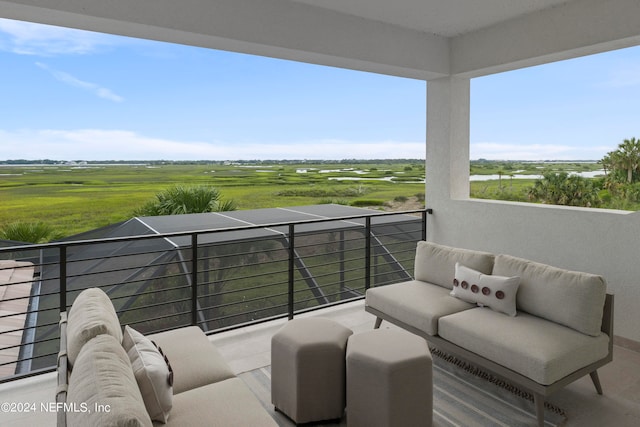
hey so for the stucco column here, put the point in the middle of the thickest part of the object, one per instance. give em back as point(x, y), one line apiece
point(447, 174)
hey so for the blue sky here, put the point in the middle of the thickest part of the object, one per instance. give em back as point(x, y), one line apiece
point(69, 94)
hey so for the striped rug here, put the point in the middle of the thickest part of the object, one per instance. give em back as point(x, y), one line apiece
point(461, 397)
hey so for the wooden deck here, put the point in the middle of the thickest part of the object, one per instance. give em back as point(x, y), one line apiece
point(16, 279)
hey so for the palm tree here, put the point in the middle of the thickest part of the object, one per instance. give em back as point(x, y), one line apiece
point(626, 158)
point(29, 232)
point(564, 189)
point(179, 200)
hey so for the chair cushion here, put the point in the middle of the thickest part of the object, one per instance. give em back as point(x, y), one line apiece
point(102, 378)
point(571, 298)
point(151, 372)
point(194, 359)
point(496, 292)
point(92, 314)
point(534, 347)
point(222, 404)
point(415, 303)
point(436, 263)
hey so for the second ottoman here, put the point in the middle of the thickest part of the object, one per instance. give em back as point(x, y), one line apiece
point(308, 369)
point(389, 380)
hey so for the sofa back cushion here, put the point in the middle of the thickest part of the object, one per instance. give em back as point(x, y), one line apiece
point(102, 388)
point(570, 298)
point(437, 263)
point(92, 314)
point(195, 361)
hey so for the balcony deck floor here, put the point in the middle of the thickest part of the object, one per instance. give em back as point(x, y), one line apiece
point(249, 348)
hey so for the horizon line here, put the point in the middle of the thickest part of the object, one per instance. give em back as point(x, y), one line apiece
point(142, 161)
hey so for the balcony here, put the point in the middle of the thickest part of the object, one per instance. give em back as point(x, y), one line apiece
point(447, 46)
point(247, 348)
point(238, 268)
point(244, 283)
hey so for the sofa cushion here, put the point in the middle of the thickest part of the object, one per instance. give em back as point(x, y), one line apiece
point(102, 388)
point(436, 263)
point(539, 349)
point(571, 298)
point(415, 303)
point(222, 404)
point(497, 292)
point(152, 374)
point(194, 359)
point(92, 314)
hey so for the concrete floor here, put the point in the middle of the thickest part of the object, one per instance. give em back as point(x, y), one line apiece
point(249, 348)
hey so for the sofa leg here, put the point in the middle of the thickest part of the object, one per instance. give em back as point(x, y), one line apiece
point(596, 381)
point(378, 323)
point(538, 400)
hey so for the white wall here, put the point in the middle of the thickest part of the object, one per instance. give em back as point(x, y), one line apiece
point(593, 240)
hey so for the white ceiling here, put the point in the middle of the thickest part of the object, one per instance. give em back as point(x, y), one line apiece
point(446, 18)
point(424, 39)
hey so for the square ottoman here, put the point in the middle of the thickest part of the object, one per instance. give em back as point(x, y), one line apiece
point(308, 369)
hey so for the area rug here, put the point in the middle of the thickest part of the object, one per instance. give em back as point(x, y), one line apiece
point(462, 396)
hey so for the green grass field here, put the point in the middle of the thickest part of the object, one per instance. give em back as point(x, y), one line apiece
point(77, 199)
point(74, 199)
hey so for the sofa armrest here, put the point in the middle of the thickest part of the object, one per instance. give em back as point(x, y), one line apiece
point(607, 320)
point(63, 371)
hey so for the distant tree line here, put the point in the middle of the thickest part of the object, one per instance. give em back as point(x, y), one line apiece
point(215, 162)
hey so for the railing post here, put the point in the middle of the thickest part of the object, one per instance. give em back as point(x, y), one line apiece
point(342, 264)
point(291, 268)
point(424, 224)
point(194, 279)
point(63, 278)
point(367, 255)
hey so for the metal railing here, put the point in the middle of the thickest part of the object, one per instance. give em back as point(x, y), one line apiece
point(218, 279)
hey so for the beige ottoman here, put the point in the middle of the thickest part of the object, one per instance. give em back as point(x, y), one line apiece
point(308, 369)
point(389, 380)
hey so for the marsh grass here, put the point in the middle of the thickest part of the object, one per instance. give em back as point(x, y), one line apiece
point(513, 190)
point(74, 200)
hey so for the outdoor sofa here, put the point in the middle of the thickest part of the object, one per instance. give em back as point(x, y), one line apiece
point(537, 326)
point(107, 376)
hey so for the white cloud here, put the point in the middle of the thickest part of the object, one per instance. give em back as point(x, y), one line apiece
point(100, 144)
point(336, 149)
point(501, 151)
point(97, 144)
point(73, 81)
point(26, 38)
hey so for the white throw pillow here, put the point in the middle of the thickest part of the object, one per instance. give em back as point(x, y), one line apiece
point(152, 372)
point(496, 292)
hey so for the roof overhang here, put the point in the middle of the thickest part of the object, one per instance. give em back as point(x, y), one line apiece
point(423, 39)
